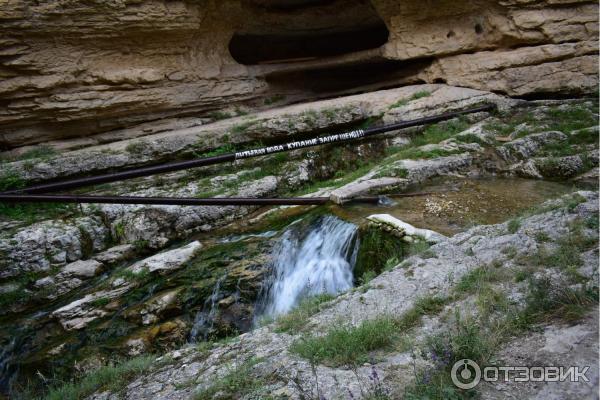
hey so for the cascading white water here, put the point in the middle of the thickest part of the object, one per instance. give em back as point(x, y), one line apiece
point(316, 262)
point(203, 322)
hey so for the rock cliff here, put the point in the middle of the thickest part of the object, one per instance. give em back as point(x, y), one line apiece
point(85, 68)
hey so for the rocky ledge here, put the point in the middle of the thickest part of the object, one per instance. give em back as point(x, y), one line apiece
point(485, 287)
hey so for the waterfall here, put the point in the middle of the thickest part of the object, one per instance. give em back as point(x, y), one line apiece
point(308, 263)
point(203, 322)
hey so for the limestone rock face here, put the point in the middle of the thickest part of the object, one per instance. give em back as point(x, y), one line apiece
point(75, 68)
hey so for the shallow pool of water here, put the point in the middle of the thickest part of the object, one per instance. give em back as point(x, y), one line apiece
point(458, 204)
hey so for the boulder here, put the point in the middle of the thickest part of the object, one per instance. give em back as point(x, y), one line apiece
point(167, 261)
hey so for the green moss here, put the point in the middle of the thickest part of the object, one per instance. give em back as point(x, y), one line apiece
point(376, 248)
point(225, 149)
point(137, 147)
point(100, 302)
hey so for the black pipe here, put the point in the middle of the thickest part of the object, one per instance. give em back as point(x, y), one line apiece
point(177, 166)
point(177, 201)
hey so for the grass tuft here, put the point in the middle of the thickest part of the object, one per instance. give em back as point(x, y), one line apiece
point(110, 377)
point(348, 345)
point(513, 225)
point(352, 345)
point(236, 384)
point(296, 320)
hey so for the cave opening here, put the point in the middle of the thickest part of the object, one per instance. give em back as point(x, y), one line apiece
point(372, 74)
point(272, 48)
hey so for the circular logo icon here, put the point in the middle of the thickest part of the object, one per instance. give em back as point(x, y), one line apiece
point(466, 374)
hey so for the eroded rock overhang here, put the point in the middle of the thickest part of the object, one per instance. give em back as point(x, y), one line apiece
point(74, 69)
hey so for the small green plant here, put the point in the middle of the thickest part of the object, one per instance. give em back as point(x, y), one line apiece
point(509, 251)
point(10, 179)
point(399, 103)
point(141, 244)
point(367, 277)
point(547, 300)
point(575, 200)
point(476, 279)
point(521, 275)
point(513, 225)
point(391, 263)
point(542, 237)
point(465, 340)
point(592, 223)
point(423, 306)
point(416, 96)
point(241, 128)
point(471, 138)
point(352, 345)
point(420, 95)
point(226, 148)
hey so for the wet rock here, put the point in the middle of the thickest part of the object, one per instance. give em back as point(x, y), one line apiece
point(167, 261)
point(78, 314)
point(152, 310)
point(115, 254)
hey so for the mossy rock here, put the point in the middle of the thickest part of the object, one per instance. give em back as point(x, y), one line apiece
point(376, 248)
